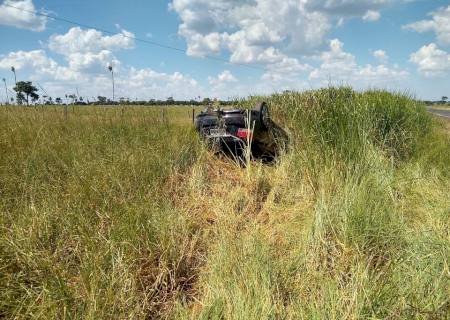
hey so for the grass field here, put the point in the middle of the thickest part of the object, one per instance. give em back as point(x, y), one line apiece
point(121, 213)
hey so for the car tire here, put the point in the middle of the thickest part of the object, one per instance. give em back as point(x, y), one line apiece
point(263, 114)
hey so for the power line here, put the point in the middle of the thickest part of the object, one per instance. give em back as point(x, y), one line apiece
point(42, 89)
point(153, 43)
point(10, 91)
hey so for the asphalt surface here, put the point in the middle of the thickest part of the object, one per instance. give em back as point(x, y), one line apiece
point(440, 112)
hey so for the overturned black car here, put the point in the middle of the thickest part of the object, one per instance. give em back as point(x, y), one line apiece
point(233, 130)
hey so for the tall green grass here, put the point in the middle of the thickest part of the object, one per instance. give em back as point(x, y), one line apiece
point(87, 229)
point(124, 214)
point(340, 234)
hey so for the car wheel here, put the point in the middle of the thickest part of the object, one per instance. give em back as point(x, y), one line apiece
point(263, 114)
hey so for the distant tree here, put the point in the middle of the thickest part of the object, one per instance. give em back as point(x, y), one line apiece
point(20, 98)
point(49, 101)
point(170, 100)
point(444, 99)
point(58, 100)
point(26, 90)
point(206, 101)
point(34, 97)
point(73, 97)
point(101, 100)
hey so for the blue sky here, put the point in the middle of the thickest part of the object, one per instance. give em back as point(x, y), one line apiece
point(264, 46)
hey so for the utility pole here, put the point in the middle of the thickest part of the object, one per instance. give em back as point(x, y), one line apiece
point(6, 91)
point(15, 81)
point(110, 68)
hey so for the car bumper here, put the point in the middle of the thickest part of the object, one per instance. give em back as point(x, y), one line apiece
point(226, 138)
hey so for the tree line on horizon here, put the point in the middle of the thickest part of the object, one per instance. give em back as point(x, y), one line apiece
point(26, 92)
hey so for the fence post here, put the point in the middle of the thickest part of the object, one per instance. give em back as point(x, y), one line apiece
point(193, 115)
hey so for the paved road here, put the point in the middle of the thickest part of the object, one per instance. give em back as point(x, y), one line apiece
point(440, 112)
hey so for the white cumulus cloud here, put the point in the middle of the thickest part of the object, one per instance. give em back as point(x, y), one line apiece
point(341, 67)
point(39, 63)
point(223, 78)
point(371, 15)
point(285, 70)
point(431, 61)
point(78, 40)
point(148, 83)
point(86, 54)
point(246, 28)
point(23, 17)
point(58, 79)
point(224, 85)
point(266, 32)
point(89, 50)
point(92, 62)
point(381, 56)
point(439, 24)
point(347, 8)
